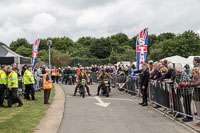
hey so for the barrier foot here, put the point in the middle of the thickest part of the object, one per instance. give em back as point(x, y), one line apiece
point(138, 96)
point(175, 116)
point(165, 111)
point(150, 104)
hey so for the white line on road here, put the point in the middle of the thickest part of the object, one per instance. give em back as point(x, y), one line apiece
point(101, 103)
point(117, 99)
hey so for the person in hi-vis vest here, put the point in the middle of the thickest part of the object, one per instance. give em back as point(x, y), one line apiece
point(3, 84)
point(47, 85)
point(12, 88)
point(57, 75)
point(53, 74)
point(28, 82)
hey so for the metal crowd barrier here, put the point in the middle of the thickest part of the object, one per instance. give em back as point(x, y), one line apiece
point(178, 101)
point(114, 79)
point(131, 85)
point(20, 87)
point(40, 82)
point(160, 93)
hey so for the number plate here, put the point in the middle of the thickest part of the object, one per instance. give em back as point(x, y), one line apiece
point(83, 81)
point(106, 82)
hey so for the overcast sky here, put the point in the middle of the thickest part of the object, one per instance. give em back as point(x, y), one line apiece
point(32, 19)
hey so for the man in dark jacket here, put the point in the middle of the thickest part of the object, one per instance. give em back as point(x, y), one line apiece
point(144, 78)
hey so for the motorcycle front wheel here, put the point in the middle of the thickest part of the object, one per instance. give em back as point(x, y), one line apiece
point(107, 91)
point(82, 90)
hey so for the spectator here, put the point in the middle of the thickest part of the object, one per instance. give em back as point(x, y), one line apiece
point(195, 82)
point(158, 75)
point(108, 69)
point(165, 63)
point(187, 69)
point(43, 70)
point(151, 69)
point(154, 71)
point(126, 71)
point(171, 72)
point(23, 70)
point(163, 71)
point(130, 78)
point(196, 62)
point(133, 66)
point(181, 77)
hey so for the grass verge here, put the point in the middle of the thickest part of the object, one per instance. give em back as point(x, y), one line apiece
point(24, 119)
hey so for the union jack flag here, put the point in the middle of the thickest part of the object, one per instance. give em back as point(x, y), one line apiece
point(141, 48)
point(35, 52)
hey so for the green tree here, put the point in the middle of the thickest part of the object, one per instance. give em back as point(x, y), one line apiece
point(24, 51)
point(186, 44)
point(155, 55)
point(120, 38)
point(100, 48)
point(85, 41)
point(19, 42)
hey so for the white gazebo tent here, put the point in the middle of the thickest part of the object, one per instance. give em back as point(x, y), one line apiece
point(177, 60)
point(8, 57)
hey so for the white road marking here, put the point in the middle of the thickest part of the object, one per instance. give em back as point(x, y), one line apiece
point(101, 103)
point(116, 99)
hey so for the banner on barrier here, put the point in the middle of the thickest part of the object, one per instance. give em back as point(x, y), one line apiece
point(35, 52)
point(141, 48)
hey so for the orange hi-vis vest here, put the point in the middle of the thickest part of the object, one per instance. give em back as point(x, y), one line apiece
point(57, 73)
point(46, 84)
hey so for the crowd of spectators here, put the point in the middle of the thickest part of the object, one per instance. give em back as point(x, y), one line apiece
point(186, 83)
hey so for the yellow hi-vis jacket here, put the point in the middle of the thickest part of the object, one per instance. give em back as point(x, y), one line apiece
point(27, 76)
point(3, 77)
point(13, 78)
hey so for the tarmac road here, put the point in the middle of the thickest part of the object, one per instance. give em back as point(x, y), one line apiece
point(122, 115)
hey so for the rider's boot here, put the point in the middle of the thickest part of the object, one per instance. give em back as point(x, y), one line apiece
point(98, 90)
point(75, 90)
point(88, 90)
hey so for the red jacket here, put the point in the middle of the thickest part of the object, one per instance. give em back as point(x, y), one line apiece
point(78, 71)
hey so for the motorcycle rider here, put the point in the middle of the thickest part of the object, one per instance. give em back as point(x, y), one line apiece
point(74, 75)
point(82, 75)
point(64, 75)
point(69, 73)
point(101, 77)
